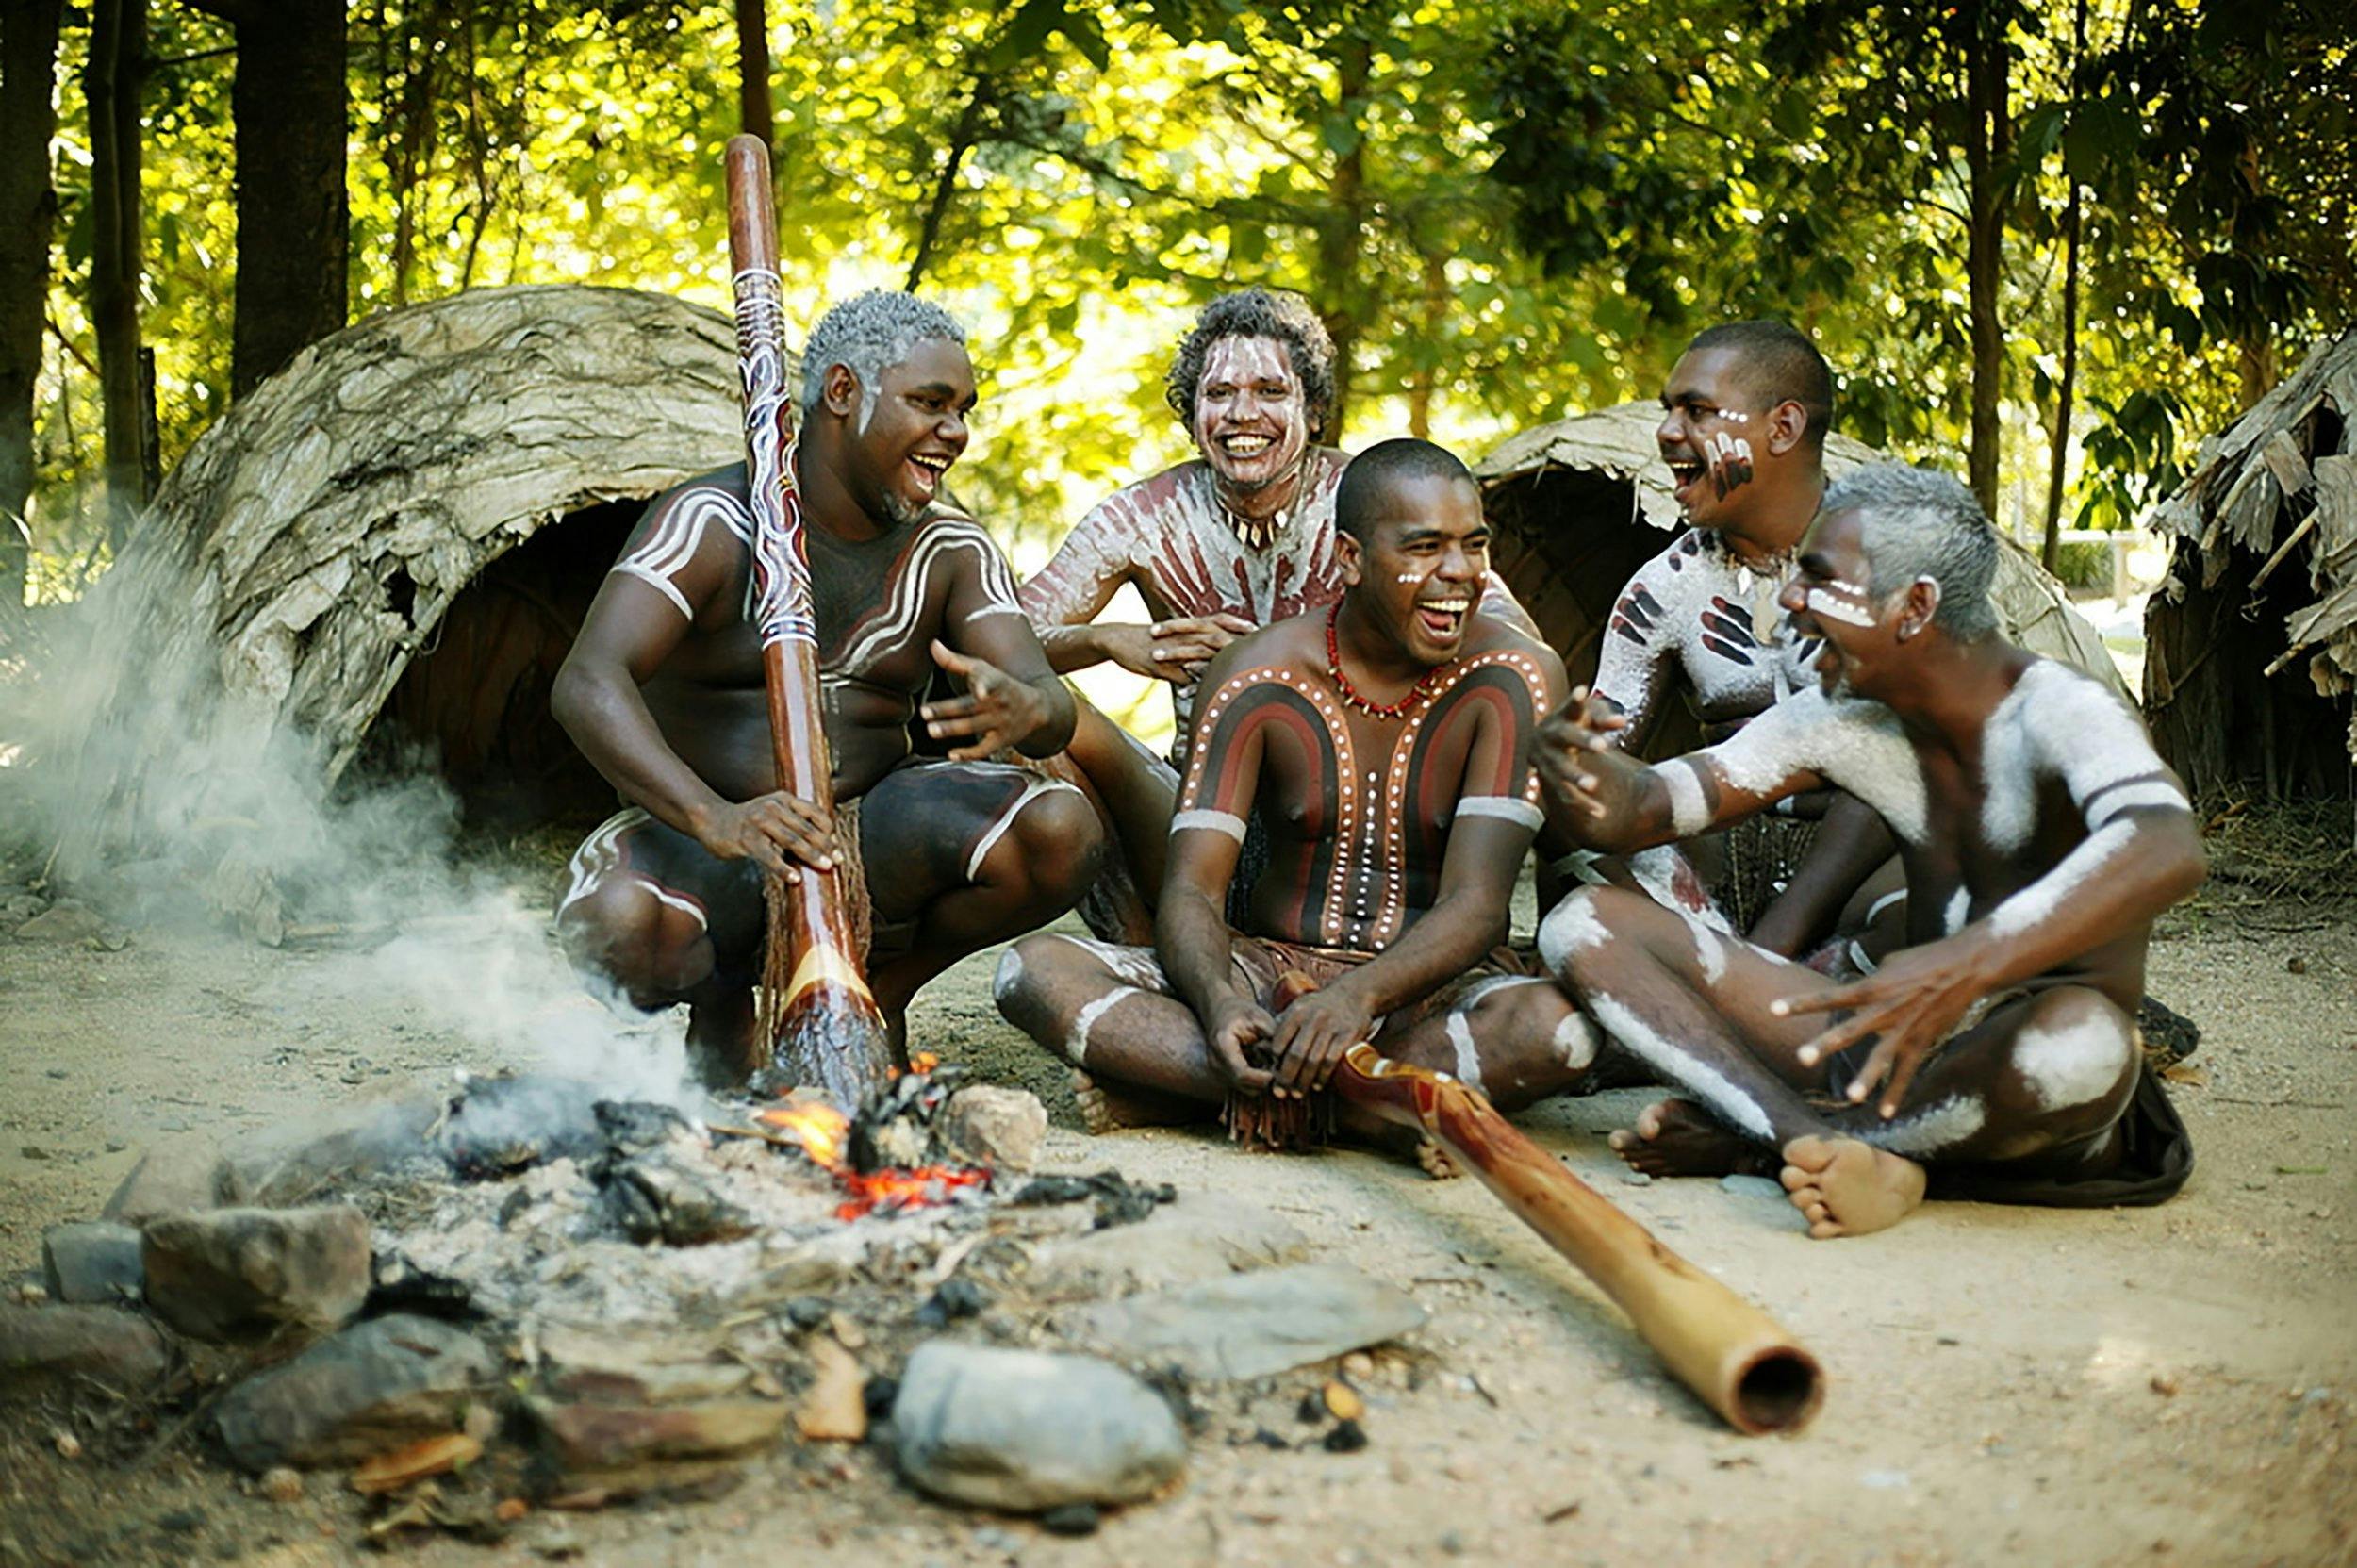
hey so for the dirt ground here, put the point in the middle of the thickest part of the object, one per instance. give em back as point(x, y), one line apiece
point(2171, 1385)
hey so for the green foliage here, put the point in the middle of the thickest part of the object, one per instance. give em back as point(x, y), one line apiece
point(1506, 209)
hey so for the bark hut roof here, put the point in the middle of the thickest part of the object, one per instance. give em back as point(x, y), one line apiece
point(1618, 445)
point(306, 549)
point(2273, 497)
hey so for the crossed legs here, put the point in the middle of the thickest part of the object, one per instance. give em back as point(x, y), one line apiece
point(2036, 1084)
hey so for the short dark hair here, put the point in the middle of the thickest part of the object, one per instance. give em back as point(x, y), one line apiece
point(1384, 465)
point(1257, 313)
point(1779, 365)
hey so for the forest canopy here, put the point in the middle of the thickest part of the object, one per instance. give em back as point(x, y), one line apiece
point(2050, 246)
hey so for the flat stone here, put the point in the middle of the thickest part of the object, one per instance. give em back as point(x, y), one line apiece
point(67, 920)
point(629, 1448)
point(994, 1127)
point(386, 1383)
point(17, 908)
point(1249, 1324)
point(295, 1161)
point(677, 1368)
point(237, 1273)
point(1194, 1239)
point(92, 1261)
point(41, 1347)
point(1028, 1432)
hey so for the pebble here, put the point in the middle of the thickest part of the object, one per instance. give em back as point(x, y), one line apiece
point(1636, 1179)
point(281, 1483)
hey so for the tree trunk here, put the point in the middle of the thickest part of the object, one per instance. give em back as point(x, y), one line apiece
point(289, 106)
point(752, 70)
point(2050, 554)
point(1340, 304)
point(29, 209)
point(112, 85)
point(1987, 61)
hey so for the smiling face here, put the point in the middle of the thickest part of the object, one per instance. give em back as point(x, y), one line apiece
point(905, 438)
point(1416, 575)
point(1830, 597)
point(1251, 417)
point(1704, 400)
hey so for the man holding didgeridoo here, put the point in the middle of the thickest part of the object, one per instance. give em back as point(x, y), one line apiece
point(663, 691)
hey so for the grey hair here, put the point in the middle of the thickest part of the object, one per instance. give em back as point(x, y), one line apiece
point(866, 335)
point(1917, 522)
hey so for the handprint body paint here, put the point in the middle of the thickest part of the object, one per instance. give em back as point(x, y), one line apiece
point(1697, 610)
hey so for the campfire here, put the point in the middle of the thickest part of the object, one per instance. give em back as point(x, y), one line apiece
point(856, 1151)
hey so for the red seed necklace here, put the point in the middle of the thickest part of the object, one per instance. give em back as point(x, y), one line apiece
point(1349, 693)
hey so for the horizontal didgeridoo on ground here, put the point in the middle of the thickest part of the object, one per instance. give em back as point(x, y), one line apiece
point(819, 1022)
point(1735, 1355)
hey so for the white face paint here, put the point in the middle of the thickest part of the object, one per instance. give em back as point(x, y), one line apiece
point(2074, 1063)
point(1251, 417)
point(1572, 928)
point(1827, 604)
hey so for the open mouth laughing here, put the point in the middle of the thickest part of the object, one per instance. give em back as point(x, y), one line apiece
point(928, 468)
point(1685, 473)
point(1444, 619)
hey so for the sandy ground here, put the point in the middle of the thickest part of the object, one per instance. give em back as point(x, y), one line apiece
point(2148, 1386)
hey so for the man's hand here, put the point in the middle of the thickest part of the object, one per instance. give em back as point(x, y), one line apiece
point(1311, 1035)
point(998, 708)
point(1730, 461)
point(1173, 651)
point(1236, 1025)
point(1912, 1004)
point(777, 830)
point(1571, 750)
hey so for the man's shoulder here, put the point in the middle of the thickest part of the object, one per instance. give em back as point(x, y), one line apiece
point(1500, 641)
point(1154, 491)
point(1287, 653)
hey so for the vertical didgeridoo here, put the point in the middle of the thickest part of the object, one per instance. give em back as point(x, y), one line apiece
point(819, 1022)
point(1728, 1351)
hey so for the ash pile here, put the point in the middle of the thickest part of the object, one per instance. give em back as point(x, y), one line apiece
point(480, 1307)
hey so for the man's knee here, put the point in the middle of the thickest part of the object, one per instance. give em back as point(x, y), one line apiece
point(625, 932)
point(1056, 843)
point(1583, 927)
point(2075, 1060)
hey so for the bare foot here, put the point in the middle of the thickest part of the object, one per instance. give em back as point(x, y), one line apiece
point(1847, 1188)
point(1677, 1137)
point(1108, 1107)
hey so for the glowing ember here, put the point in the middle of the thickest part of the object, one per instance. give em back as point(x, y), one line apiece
point(821, 1128)
point(823, 1133)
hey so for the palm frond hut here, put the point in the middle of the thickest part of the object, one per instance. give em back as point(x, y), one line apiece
point(2251, 643)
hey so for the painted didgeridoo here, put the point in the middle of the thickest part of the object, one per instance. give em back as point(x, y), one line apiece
point(1728, 1351)
point(819, 1022)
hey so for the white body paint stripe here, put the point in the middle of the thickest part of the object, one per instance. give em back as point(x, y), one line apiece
point(1688, 811)
point(1928, 1131)
point(1875, 909)
point(1707, 1083)
point(1215, 821)
point(661, 583)
point(1031, 791)
point(2075, 1063)
point(2041, 899)
point(1076, 1045)
point(2129, 797)
point(1511, 808)
point(1468, 1059)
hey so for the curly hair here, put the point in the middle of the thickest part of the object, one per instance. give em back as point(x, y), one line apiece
point(866, 333)
point(1257, 313)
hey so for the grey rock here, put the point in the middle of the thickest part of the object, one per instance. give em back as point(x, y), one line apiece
point(1026, 1431)
point(994, 1127)
point(297, 1160)
point(17, 908)
point(92, 1261)
point(234, 1273)
point(41, 1347)
point(384, 1382)
point(1754, 1186)
point(1194, 1239)
point(67, 920)
point(1249, 1324)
